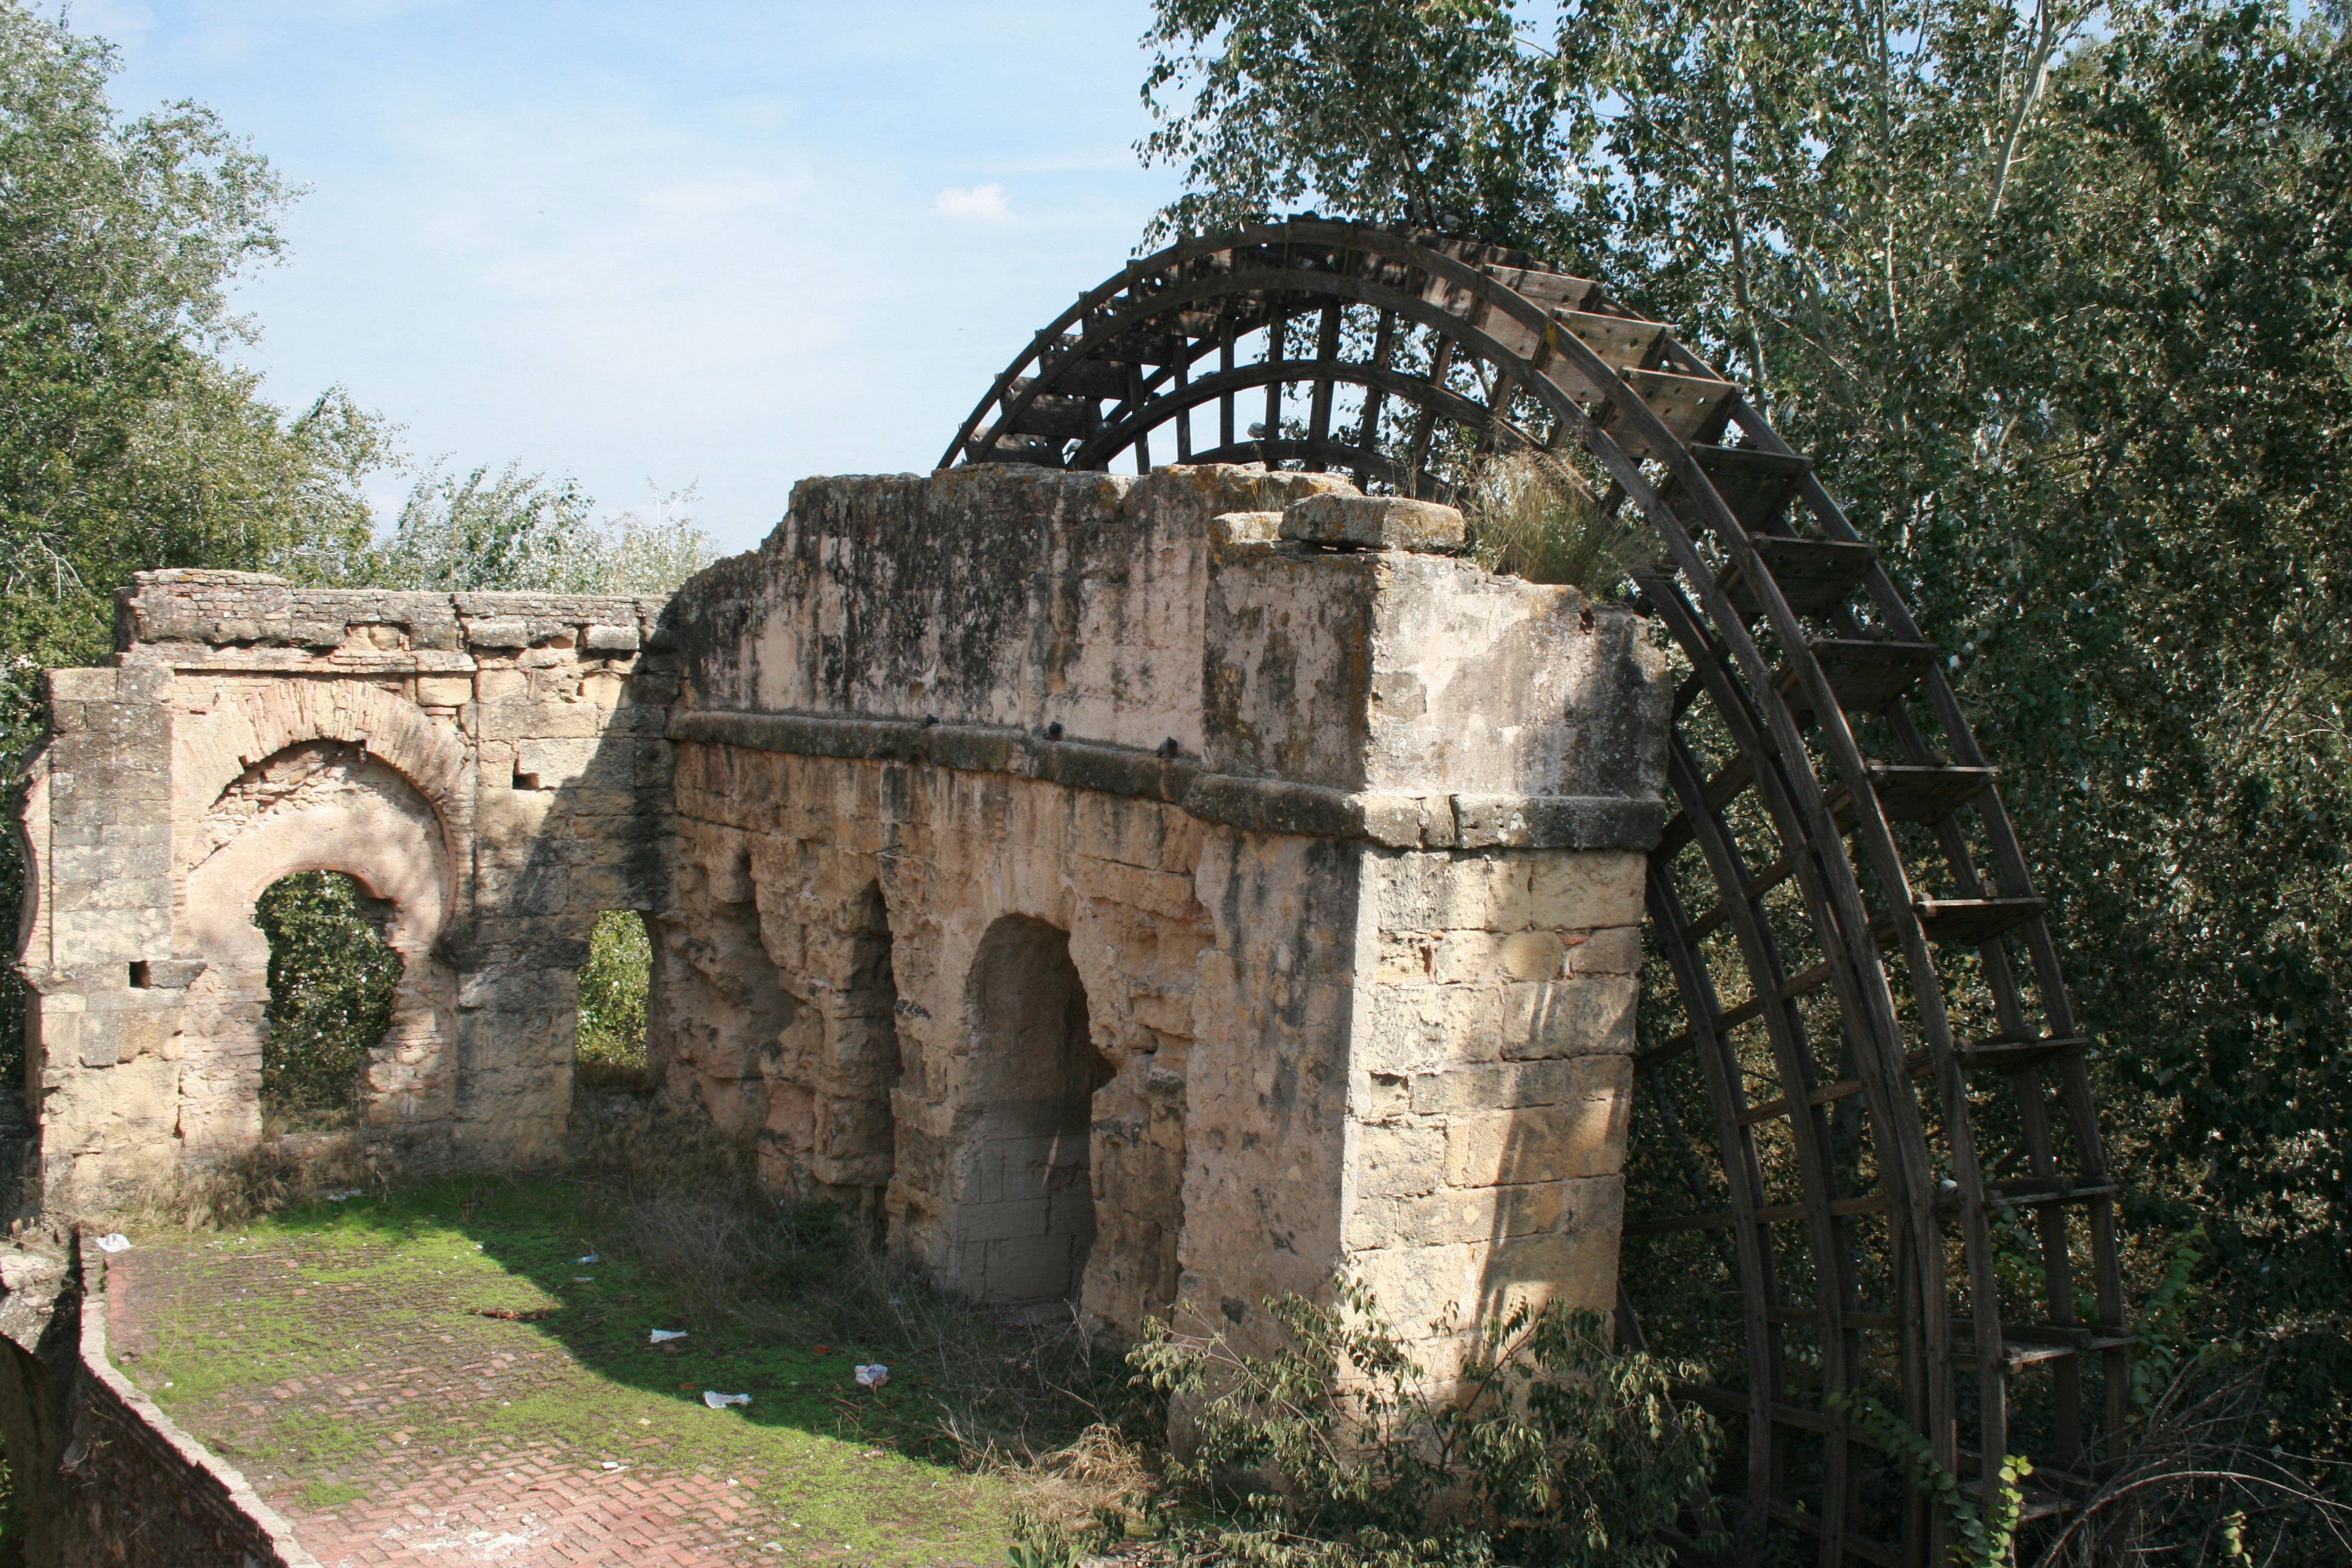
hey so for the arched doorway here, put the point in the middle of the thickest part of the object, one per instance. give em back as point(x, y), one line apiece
point(1025, 1215)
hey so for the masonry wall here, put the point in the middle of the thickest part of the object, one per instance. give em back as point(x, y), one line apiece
point(1345, 843)
point(1120, 890)
point(105, 1478)
point(491, 767)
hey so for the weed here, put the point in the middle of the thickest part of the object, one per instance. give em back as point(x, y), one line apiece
point(330, 1494)
point(1550, 1448)
point(1531, 515)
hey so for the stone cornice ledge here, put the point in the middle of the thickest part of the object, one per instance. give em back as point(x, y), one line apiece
point(1229, 800)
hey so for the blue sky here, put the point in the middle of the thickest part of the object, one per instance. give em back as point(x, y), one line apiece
point(728, 243)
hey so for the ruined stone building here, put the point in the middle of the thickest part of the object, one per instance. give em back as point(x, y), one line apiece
point(1121, 889)
point(1196, 884)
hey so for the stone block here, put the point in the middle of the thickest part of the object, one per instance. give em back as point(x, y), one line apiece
point(1616, 950)
point(1454, 1215)
point(609, 640)
point(499, 632)
point(1592, 1013)
point(1576, 1270)
point(445, 691)
point(1375, 522)
point(1582, 889)
point(500, 686)
point(1414, 1027)
point(1245, 528)
point(1399, 1158)
point(1582, 1135)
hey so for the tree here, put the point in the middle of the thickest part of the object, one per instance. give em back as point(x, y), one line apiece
point(2061, 301)
point(524, 530)
point(127, 439)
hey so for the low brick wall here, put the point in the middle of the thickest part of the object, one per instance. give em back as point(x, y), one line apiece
point(120, 1485)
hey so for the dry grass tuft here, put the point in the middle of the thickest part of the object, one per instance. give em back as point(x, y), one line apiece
point(1532, 515)
point(279, 1172)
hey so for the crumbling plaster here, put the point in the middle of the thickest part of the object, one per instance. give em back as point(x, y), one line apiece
point(1340, 837)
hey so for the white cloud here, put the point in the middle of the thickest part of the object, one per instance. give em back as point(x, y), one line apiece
point(983, 202)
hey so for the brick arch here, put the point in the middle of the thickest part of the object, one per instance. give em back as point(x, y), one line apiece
point(211, 752)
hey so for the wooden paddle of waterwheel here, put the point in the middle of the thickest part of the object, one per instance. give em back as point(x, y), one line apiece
point(1867, 1190)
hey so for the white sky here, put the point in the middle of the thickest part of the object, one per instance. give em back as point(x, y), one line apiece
point(709, 241)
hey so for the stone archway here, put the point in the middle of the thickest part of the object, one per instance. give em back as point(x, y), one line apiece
point(314, 805)
point(1024, 1217)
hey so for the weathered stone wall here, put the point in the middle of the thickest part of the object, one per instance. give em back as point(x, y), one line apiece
point(489, 767)
point(1118, 889)
point(1344, 847)
point(106, 1480)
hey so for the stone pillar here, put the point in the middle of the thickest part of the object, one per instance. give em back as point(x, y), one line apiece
point(108, 989)
point(1419, 1066)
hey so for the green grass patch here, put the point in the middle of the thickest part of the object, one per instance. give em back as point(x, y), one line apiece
point(259, 1338)
point(330, 1494)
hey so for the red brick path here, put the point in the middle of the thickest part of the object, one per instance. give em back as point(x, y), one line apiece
point(398, 1376)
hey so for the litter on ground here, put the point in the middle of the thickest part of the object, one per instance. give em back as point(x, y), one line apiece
point(664, 1336)
point(592, 1258)
point(717, 1401)
point(873, 1376)
point(114, 1241)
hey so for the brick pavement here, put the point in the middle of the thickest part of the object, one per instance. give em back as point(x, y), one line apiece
point(390, 1387)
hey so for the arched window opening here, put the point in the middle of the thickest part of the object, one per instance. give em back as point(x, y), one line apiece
point(1027, 1221)
point(614, 987)
point(331, 979)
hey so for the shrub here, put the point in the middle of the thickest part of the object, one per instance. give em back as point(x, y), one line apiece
point(613, 984)
point(1553, 1450)
point(330, 983)
point(1532, 516)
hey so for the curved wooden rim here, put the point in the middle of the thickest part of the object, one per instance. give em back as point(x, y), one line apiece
point(1798, 754)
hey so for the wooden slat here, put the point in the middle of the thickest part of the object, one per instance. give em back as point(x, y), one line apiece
point(1867, 673)
point(1970, 922)
point(1774, 1213)
point(2032, 1194)
point(1908, 793)
point(1685, 405)
point(1814, 575)
point(2014, 1055)
point(1757, 486)
point(1622, 343)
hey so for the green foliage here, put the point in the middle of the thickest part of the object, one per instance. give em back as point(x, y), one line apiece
point(1533, 516)
point(1393, 110)
point(330, 991)
point(525, 531)
point(1981, 1538)
point(1555, 1450)
point(2060, 301)
point(127, 440)
point(613, 984)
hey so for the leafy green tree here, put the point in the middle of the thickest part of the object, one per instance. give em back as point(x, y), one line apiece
point(332, 977)
point(2060, 301)
point(128, 439)
point(526, 532)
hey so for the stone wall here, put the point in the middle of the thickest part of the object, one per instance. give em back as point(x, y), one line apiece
point(1118, 889)
point(1342, 843)
point(491, 767)
point(106, 1479)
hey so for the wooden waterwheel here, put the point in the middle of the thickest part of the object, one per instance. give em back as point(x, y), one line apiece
point(1867, 1191)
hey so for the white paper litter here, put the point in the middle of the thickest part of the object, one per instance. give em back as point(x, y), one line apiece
point(717, 1401)
point(114, 1241)
point(592, 1258)
point(583, 1278)
point(664, 1336)
point(873, 1376)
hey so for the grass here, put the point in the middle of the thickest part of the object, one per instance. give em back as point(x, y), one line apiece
point(779, 1304)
